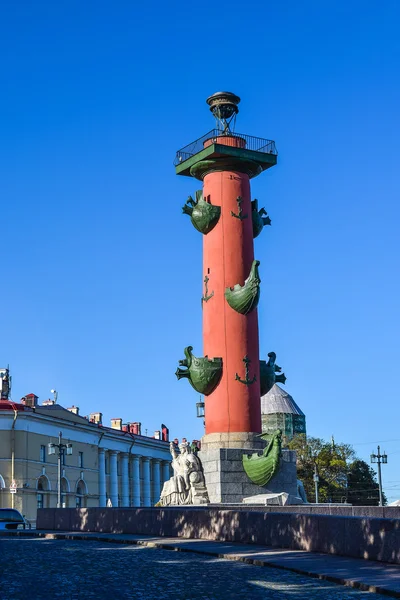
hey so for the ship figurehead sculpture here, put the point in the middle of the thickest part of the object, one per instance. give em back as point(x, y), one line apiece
point(268, 375)
point(260, 218)
point(261, 468)
point(204, 374)
point(204, 215)
point(244, 298)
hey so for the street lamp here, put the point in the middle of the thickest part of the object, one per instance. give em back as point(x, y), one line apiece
point(200, 409)
point(200, 413)
point(67, 448)
point(379, 459)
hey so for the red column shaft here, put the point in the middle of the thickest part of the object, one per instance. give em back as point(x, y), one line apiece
point(228, 252)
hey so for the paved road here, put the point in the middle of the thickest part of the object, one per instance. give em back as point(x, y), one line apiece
point(37, 568)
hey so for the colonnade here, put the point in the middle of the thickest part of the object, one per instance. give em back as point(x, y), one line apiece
point(137, 482)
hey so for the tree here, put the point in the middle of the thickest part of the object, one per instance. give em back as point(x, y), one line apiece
point(328, 460)
point(362, 487)
point(342, 476)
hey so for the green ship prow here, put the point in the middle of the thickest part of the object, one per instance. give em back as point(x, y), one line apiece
point(261, 468)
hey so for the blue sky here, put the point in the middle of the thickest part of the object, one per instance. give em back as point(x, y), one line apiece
point(101, 271)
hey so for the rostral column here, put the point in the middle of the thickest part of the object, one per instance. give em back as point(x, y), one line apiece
point(229, 373)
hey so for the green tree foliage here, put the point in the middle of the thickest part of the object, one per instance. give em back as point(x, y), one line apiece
point(362, 487)
point(328, 460)
point(342, 477)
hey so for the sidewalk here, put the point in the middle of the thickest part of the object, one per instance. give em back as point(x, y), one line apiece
point(382, 578)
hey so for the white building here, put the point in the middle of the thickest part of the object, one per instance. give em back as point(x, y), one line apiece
point(108, 466)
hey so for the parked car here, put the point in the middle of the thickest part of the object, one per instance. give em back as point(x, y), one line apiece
point(11, 519)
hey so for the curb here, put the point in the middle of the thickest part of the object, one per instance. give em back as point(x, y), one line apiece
point(250, 561)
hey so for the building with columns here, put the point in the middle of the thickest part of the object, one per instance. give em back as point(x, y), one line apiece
point(109, 466)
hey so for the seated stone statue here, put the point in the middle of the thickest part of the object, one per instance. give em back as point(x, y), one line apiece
point(187, 485)
point(301, 492)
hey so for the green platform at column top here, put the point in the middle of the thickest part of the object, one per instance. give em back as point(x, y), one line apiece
point(259, 151)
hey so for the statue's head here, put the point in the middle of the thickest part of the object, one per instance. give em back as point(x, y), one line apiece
point(184, 447)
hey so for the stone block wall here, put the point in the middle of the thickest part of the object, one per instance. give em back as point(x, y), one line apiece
point(227, 481)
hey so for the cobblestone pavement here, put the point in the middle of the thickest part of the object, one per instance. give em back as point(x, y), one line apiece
point(64, 569)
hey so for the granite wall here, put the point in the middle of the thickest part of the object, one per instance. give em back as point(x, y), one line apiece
point(365, 537)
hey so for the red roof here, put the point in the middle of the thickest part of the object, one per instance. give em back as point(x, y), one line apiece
point(9, 405)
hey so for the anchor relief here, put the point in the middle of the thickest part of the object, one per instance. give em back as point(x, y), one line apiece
point(204, 374)
point(246, 380)
point(206, 296)
point(239, 216)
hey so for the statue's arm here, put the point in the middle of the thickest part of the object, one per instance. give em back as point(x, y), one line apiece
point(172, 449)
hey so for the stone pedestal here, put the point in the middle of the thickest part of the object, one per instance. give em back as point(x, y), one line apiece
point(237, 439)
point(227, 481)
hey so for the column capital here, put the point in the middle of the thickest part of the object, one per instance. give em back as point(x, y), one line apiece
point(136, 456)
point(113, 452)
point(146, 458)
point(157, 461)
point(101, 450)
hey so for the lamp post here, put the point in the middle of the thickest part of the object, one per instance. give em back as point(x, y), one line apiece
point(316, 481)
point(313, 457)
point(200, 410)
point(379, 459)
point(61, 449)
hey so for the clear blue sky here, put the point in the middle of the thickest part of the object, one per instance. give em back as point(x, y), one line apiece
point(102, 273)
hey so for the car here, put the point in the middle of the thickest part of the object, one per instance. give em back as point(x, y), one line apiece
point(11, 519)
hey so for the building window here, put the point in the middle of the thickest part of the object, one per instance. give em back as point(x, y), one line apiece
point(80, 494)
point(40, 500)
point(80, 460)
point(64, 492)
point(43, 484)
point(42, 453)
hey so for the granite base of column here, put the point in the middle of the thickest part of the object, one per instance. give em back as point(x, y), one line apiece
point(228, 483)
point(238, 439)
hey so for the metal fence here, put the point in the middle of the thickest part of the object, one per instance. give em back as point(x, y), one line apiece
point(251, 143)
